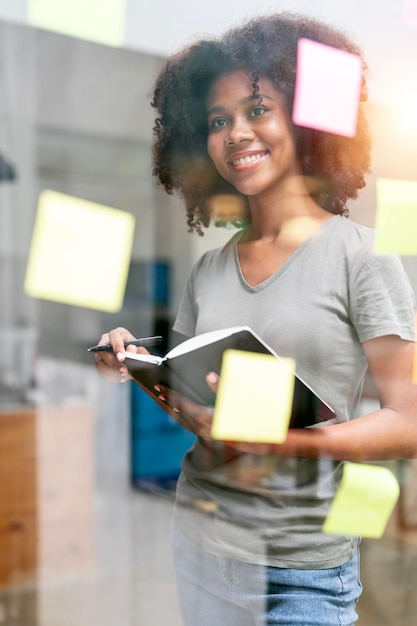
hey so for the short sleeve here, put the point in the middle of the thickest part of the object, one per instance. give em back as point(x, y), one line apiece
point(382, 301)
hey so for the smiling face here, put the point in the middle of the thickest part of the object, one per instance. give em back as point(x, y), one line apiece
point(250, 139)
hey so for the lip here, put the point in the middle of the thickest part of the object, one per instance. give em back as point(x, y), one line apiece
point(247, 160)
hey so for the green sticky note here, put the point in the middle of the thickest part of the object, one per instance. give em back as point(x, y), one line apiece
point(396, 217)
point(254, 398)
point(101, 21)
point(364, 501)
point(80, 252)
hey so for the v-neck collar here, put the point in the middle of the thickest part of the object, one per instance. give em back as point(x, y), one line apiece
point(284, 267)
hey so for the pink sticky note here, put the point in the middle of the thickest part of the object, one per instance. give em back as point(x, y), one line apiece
point(327, 89)
point(409, 14)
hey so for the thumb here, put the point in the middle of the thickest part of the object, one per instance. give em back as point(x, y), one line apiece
point(212, 380)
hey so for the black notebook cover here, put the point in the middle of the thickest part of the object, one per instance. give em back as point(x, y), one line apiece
point(184, 370)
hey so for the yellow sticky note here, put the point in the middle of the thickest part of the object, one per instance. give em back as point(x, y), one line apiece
point(80, 252)
point(101, 21)
point(396, 217)
point(364, 501)
point(328, 87)
point(254, 399)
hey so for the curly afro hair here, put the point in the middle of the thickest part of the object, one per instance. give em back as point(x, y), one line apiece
point(267, 47)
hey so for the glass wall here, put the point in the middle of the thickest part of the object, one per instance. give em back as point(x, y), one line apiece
point(87, 468)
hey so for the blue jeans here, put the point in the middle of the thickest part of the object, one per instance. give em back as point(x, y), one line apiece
point(217, 591)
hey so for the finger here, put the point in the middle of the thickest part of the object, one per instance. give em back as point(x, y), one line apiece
point(186, 412)
point(113, 374)
point(212, 380)
point(107, 359)
point(174, 399)
point(200, 415)
point(182, 420)
point(198, 427)
point(117, 337)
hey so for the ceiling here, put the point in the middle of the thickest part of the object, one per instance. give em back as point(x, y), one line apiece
point(162, 26)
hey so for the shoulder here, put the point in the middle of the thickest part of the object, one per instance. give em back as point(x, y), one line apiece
point(355, 243)
point(353, 234)
point(352, 244)
point(215, 258)
point(343, 241)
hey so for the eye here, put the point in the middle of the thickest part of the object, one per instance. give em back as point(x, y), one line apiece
point(217, 122)
point(257, 111)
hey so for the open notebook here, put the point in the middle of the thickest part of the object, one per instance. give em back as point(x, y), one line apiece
point(185, 367)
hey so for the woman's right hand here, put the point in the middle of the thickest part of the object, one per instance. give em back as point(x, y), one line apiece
point(110, 364)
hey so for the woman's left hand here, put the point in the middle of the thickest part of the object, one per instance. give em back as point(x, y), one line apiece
point(199, 419)
point(192, 416)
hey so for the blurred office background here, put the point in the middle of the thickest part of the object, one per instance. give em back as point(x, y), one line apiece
point(87, 467)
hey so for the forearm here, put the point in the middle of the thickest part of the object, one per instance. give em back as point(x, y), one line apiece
point(382, 435)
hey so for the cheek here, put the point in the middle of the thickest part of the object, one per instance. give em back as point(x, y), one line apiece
point(211, 148)
point(214, 151)
point(215, 145)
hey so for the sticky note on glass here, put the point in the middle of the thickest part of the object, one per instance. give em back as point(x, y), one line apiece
point(254, 399)
point(409, 12)
point(396, 217)
point(80, 252)
point(327, 89)
point(364, 501)
point(101, 21)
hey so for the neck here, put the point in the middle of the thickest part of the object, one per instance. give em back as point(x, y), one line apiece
point(288, 211)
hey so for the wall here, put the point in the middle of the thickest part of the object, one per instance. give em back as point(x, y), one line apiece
point(394, 155)
point(76, 117)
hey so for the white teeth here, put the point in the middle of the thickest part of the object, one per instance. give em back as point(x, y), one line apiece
point(247, 159)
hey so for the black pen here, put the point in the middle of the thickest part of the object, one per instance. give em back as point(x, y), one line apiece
point(145, 341)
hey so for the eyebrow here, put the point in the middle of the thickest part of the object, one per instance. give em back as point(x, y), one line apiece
point(219, 108)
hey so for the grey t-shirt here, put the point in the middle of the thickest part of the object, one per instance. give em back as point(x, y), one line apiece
point(330, 296)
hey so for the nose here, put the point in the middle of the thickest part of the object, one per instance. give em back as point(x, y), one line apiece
point(239, 131)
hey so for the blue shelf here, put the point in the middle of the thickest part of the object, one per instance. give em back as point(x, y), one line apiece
point(158, 443)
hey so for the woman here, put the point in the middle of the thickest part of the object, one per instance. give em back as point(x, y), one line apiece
point(248, 544)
